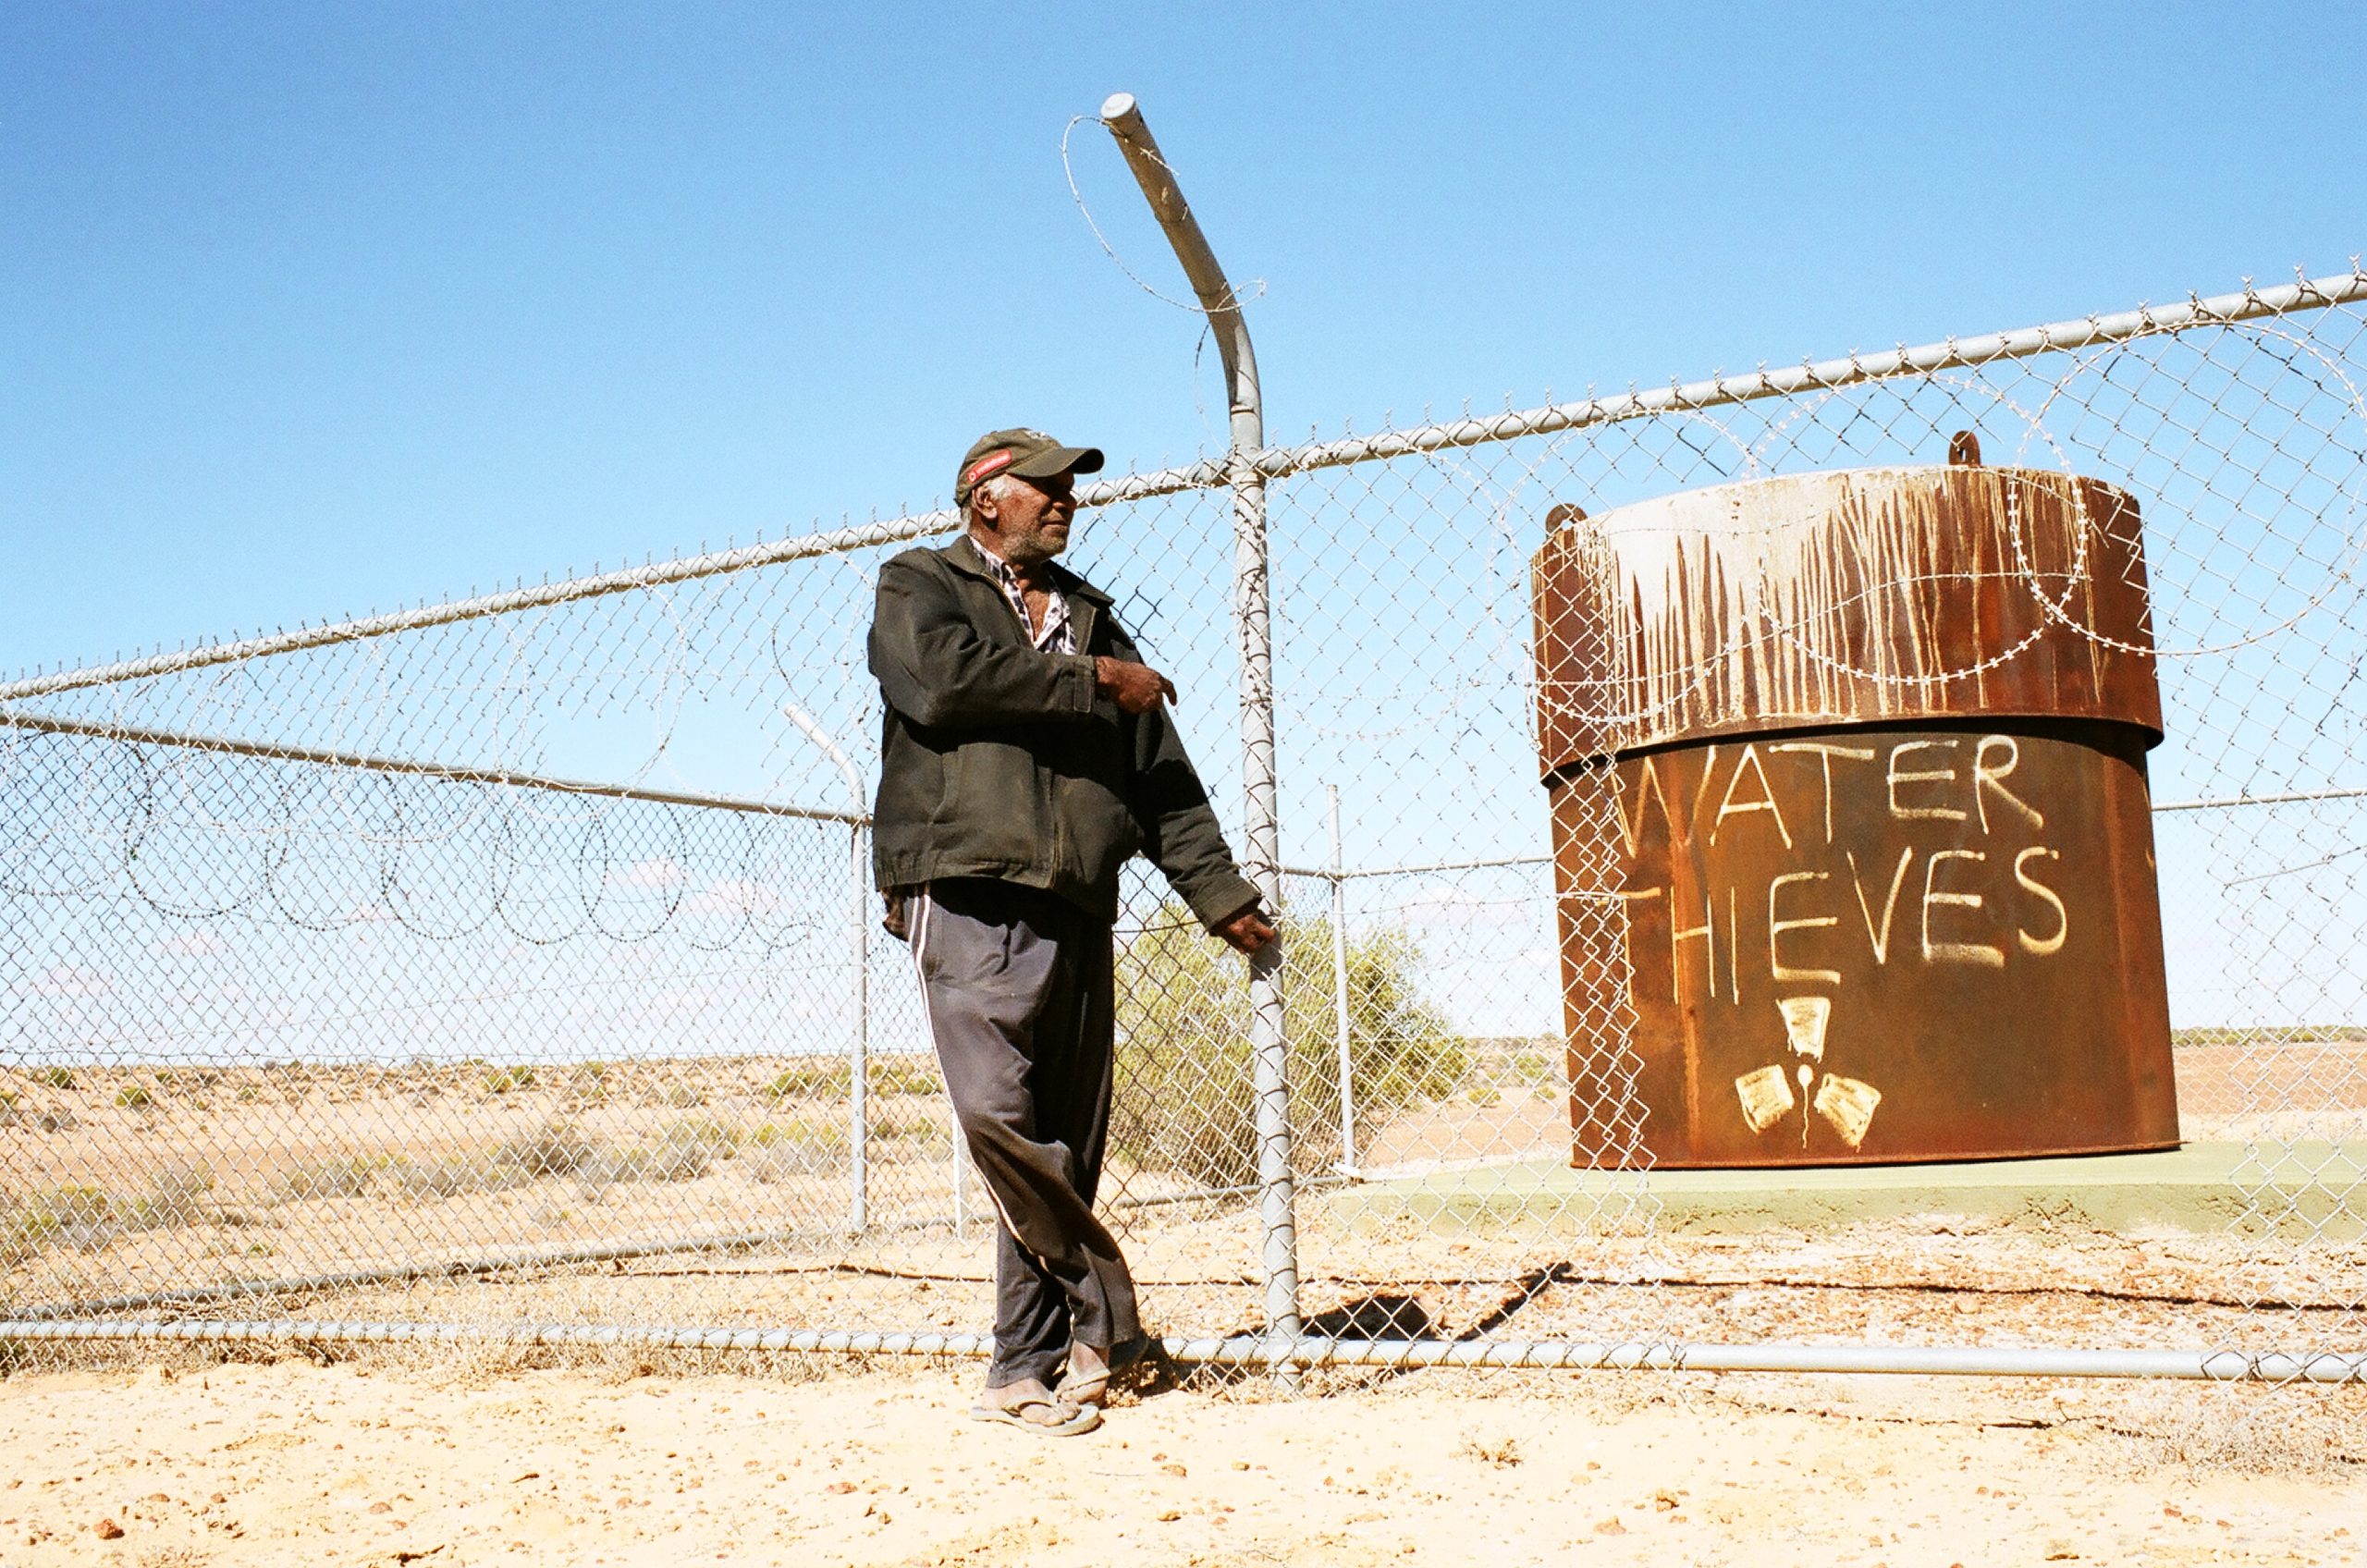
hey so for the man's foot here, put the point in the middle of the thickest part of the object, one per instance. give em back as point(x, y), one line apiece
point(1086, 1382)
point(1029, 1405)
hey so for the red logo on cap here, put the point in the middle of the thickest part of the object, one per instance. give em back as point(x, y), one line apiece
point(987, 464)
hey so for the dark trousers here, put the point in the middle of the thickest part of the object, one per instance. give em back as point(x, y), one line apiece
point(1018, 987)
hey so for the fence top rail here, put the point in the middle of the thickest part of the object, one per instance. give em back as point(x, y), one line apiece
point(2250, 303)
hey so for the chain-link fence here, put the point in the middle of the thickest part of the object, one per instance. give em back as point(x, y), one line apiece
point(507, 967)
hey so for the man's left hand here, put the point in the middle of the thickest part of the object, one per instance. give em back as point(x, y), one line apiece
point(1247, 931)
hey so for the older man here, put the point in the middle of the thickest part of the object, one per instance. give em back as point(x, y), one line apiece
point(1027, 755)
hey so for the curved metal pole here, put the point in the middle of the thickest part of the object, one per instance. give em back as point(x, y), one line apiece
point(1252, 619)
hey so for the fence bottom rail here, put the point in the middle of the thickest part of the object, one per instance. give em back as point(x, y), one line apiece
point(1304, 1353)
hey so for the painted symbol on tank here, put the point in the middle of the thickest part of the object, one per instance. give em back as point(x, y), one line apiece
point(1767, 1094)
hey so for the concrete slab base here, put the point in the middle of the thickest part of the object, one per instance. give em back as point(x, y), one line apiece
point(2298, 1191)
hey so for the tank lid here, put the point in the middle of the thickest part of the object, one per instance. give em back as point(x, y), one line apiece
point(1853, 596)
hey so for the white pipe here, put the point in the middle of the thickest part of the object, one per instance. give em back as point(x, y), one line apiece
point(1953, 353)
point(2225, 802)
point(2201, 1365)
point(1351, 874)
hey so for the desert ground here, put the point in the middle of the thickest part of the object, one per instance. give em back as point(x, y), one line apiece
point(490, 1461)
point(175, 1455)
point(132, 1179)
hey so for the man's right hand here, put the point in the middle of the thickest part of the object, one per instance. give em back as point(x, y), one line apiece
point(1136, 687)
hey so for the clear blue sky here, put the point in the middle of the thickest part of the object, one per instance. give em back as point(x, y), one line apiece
point(307, 309)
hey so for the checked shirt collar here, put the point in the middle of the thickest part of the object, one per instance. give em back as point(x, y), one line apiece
point(1056, 636)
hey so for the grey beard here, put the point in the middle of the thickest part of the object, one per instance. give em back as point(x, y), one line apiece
point(1032, 550)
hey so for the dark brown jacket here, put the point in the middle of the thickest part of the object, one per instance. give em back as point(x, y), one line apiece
point(997, 760)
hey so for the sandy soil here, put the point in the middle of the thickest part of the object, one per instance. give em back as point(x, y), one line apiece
point(393, 1459)
point(128, 1180)
point(290, 1462)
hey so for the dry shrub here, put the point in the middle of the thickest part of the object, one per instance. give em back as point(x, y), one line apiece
point(556, 1148)
point(456, 1176)
point(325, 1178)
point(2296, 1431)
point(176, 1197)
point(684, 1151)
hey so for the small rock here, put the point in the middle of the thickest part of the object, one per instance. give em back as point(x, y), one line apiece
point(1611, 1526)
point(1169, 1516)
point(381, 1508)
point(1174, 1469)
point(840, 1488)
point(108, 1530)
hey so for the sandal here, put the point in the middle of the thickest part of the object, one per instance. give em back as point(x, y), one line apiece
point(1062, 1417)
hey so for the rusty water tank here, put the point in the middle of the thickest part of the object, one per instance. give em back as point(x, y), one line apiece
point(1853, 847)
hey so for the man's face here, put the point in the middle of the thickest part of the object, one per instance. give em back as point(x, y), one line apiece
point(1029, 518)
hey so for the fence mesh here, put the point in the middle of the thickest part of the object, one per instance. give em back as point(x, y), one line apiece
point(512, 966)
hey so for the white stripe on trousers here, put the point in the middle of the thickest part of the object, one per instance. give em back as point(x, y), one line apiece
point(920, 971)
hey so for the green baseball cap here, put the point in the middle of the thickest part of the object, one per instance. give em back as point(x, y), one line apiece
point(1030, 454)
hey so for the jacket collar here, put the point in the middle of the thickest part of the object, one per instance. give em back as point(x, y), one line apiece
point(964, 556)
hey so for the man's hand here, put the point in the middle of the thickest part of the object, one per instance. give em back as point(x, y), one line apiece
point(1136, 687)
point(1247, 931)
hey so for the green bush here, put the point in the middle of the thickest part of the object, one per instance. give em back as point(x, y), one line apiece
point(1185, 1100)
point(907, 1075)
point(133, 1097)
point(822, 1133)
point(827, 1077)
point(72, 1205)
point(700, 1131)
point(502, 1080)
point(831, 1078)
point(82, 1216)
point(56, 1077)
point(786, 1152)
point(921, 1132)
